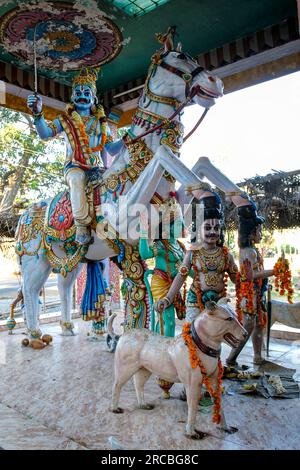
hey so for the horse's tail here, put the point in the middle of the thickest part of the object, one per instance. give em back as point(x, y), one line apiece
point(110, 328)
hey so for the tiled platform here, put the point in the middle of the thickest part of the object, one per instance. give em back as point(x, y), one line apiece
point(58, 398)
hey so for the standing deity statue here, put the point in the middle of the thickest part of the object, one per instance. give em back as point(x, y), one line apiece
point(168, 253)
point(207, 261)
point(87, 137)
point(252, 299)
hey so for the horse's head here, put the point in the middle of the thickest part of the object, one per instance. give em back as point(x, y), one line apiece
point(174, 77)
point(203, 83)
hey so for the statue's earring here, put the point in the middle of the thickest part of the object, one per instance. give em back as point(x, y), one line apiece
point(96, 100)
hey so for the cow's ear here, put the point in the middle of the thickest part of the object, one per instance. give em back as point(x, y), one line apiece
point(210, 306)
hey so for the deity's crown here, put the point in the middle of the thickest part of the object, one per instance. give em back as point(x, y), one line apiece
point(171, 210)
point(87, 76)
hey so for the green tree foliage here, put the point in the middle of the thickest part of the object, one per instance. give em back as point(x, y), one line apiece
point(30, 168)
point(268, 244)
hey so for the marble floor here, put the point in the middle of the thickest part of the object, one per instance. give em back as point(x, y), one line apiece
point(58, 398)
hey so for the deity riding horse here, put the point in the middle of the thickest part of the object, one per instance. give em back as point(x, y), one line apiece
point(86, 132)
point(145, 168)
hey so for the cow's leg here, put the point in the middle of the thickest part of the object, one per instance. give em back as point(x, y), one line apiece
point(65, 289)
point(35, 272)
point(122, 375)
point(140, 378)
point(215, 385)
point(193, 391)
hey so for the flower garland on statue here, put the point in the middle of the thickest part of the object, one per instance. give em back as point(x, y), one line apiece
point(244, 289)
point(195, 361)
point(197, 278)
point(283, 279)
point(80, 127)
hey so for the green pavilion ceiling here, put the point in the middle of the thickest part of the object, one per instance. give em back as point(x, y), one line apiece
point(119, 35)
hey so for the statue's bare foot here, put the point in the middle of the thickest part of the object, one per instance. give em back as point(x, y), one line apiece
point(146, 406)
point(230, 363)
point(117, 410)
point(34, 334)
point(67, 329)
point(196, 435)
point(258, 360)
point(83, 235)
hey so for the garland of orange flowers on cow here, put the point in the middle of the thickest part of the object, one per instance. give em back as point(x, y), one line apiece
point(195, 361)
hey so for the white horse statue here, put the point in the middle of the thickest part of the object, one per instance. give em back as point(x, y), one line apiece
point(144, 169)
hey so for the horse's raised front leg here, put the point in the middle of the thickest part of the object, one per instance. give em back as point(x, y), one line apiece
point(204, 168)
point(145, 186)
point(173, 165)
point(35, 272)
point(65, 289)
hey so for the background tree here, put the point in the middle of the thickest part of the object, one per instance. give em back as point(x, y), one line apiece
point(30, 168)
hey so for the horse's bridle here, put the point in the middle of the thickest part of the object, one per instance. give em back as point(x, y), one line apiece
point(189, 94)
point(186, 76)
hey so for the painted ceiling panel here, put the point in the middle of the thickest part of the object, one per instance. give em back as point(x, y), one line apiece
point(137, 7)
point(70, 34)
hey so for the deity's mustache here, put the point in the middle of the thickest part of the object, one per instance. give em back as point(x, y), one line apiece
point(82, 100)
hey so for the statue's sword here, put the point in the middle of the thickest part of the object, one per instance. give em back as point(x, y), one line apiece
point(35, 64)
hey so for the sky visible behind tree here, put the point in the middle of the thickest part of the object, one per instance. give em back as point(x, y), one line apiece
point(249, 132)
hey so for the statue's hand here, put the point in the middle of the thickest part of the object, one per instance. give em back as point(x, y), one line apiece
point(34, 102)
point(161, 305)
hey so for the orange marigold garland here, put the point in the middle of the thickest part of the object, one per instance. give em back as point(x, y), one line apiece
point(195, 362)
point(244, 289)
point(283, 278)
point(85, 138)
point(197, 282)
point(80, 125)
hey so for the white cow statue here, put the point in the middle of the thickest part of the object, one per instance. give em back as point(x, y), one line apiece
point(140, 353)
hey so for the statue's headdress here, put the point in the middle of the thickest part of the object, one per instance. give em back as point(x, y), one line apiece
point(249, 220)
point(170, 210)
point(87, 76)
point(213, 208)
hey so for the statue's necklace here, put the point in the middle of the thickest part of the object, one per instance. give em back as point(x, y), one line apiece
point(212, 264)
